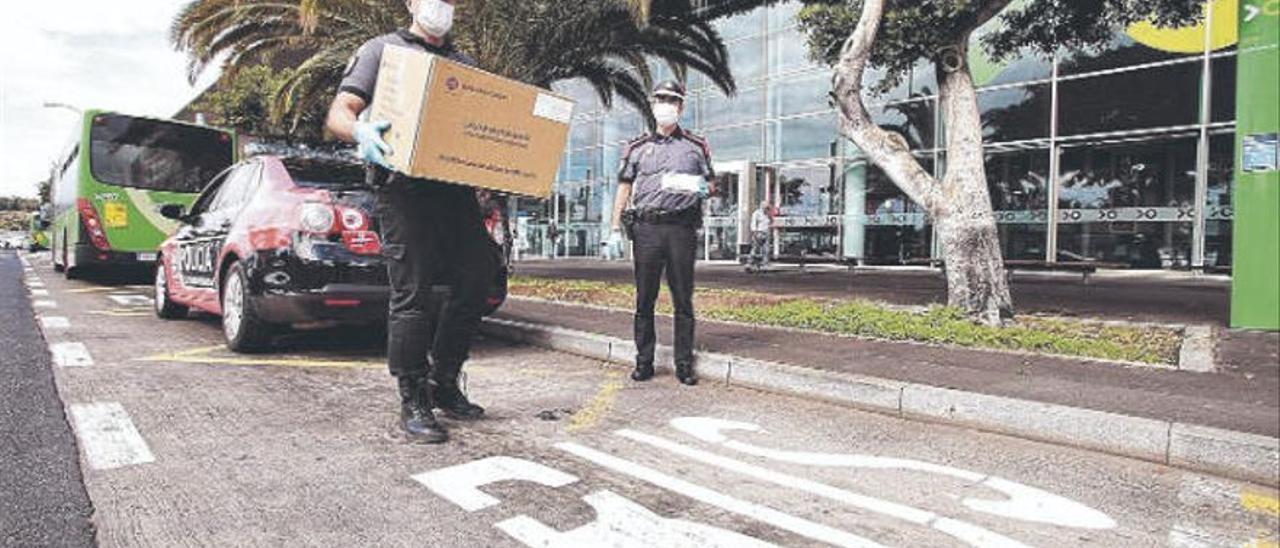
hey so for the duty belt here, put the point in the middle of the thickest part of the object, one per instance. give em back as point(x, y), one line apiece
point(665, 216)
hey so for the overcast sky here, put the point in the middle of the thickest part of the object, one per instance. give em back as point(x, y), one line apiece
point(89, 54)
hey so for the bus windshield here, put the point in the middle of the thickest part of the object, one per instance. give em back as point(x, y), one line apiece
point(156, 155)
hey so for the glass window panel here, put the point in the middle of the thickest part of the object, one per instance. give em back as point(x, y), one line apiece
point(585, 98)
point(1018, 184)
point(718, 110)
point(1122, 51)
point(914, 120)
point(806, 191)
point(1219, 212)
point(582, 165)
point(1137, 244)
point(621, 125)
point(746, 59)
point(799, 95)
point(783, 14)
point(1155, 173)
point(803, 138)
point(738, 26)
point(1015, 114)
point(788, 52)
point(742, 143)
point(1223, 99)
point(1148, 98)
point(924, 79)
point(872, 77)
point(583, 133)
point(895, 230)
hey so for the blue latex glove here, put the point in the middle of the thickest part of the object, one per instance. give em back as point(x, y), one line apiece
point(369, 143)
point(704, 188)
point(613, 245)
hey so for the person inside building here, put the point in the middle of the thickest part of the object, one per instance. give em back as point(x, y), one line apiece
point(664, 176)
point(432, 234)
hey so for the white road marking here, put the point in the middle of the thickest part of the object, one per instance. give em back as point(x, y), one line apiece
point(39, 292)
point(54, 322)
point(1023, 503)
point(751, 510)
point(108, 436)
point(44, 303)
point(621, 523)
point(968, 533)
point(70, 354)
point(125, 299)
point(459, 484)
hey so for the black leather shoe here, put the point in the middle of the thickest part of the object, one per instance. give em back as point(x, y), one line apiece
point(684, 373)
point(454, 404)
point(642, 373)
point(416, 418)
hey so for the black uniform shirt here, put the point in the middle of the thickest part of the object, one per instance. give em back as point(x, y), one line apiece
point(361, 75)
point(648, 161)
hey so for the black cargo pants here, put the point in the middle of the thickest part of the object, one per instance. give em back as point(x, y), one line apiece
point(670, 247)
point(432, 234)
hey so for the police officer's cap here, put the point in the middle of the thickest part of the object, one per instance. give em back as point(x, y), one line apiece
point(669, 88)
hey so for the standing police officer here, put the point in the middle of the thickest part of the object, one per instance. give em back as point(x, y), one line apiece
point(664, 176)
point(432, 233)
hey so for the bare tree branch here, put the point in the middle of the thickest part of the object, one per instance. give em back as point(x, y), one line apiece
point(885, 149)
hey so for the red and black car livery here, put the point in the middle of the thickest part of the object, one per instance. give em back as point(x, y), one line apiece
point(274, 241)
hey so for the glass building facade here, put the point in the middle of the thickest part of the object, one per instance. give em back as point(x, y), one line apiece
point(1123, 154)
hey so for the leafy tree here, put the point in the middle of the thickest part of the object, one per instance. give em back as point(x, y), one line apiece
point(894, 36)
point(537, 41)
point(242, 100)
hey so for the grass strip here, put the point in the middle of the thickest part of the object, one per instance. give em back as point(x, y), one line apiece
point(937, 324)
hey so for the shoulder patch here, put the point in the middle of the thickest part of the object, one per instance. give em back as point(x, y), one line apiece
point(700, 141)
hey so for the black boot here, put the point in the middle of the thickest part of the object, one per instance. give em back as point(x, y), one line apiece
point(416, 417)
point(684, 372)
point(449, 397)
point(642, 372)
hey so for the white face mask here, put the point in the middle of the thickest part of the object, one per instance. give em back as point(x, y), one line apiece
point(435, 17)
point(666, 114)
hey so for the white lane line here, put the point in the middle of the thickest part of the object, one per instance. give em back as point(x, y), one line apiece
point(39, 292)
point(45, 303)
point(55, 322)
point(70, 354)
point(125, 299)
point(108, 436)
point(968, 533)
point(799, 526)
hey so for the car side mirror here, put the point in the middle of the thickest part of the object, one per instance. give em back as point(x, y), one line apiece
point(172, 211)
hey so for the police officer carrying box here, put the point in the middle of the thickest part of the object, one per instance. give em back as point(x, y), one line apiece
point(664, 175)
point(432, 233)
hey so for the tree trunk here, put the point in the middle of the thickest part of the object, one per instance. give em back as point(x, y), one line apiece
point(960, 204)
point(966, 225)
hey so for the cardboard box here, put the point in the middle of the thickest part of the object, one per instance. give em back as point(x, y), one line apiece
point(455, 123)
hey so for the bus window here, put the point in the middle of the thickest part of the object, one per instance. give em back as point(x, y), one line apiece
point(154, 155)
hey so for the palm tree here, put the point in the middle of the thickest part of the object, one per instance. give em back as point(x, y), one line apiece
point(536, 41)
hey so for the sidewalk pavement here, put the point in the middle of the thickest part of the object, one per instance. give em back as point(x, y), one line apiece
point(1226, 422)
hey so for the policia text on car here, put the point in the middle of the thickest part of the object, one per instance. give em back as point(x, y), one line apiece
point(432, 233)
point(664, 176)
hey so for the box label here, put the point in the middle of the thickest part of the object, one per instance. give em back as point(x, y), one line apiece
point(553, 108)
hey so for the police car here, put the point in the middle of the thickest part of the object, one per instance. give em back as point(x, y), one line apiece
point(276, 241)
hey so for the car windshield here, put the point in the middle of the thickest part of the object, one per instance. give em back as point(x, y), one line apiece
point(326, 173)
point(156, 155)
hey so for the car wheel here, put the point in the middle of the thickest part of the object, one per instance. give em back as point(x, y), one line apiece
point(164, 305)
point(241, 327)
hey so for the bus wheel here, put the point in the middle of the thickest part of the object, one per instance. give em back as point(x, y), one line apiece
point(241, 327)
point(165, 307)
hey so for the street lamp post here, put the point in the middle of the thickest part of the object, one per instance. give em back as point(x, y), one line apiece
point(55, 104)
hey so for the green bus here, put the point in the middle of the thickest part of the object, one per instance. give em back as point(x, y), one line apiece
point(116, 172)
point(37, 232)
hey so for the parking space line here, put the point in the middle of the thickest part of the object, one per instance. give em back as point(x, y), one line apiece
point(39, 292)
point(797, 525)
point(126, 299)
point(93, 289)
point(121, 313)
point(1259, 503)
point(55, 322)
point(968, 533)
point(201, 355)
point(599, 405)
point(44, 303)
point(70, 354)
point(108, 436)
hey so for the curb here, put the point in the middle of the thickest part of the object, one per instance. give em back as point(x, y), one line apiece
point(1238, 455)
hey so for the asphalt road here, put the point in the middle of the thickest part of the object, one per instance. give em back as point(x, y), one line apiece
point(183, 443)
